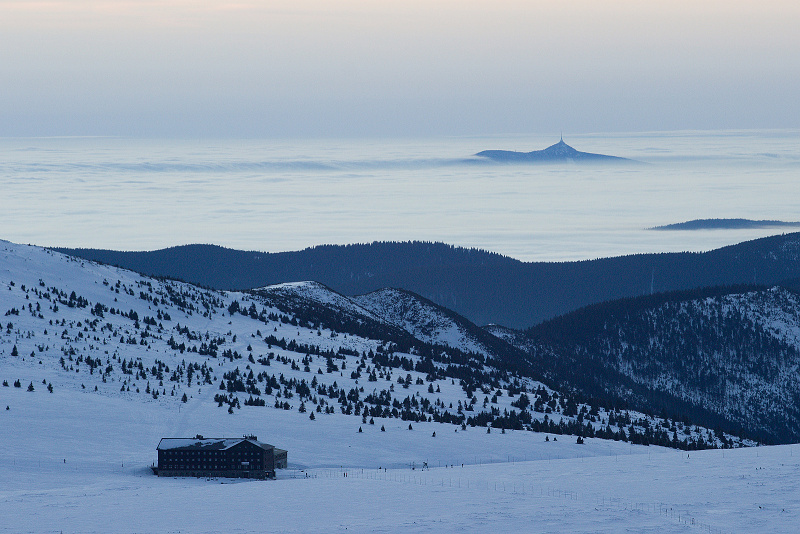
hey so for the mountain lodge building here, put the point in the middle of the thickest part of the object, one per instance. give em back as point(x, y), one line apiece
point(218, 457)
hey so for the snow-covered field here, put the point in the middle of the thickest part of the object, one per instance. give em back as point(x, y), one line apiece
point(76, 461)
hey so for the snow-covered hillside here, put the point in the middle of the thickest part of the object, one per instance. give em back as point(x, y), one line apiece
point(293, 347)
point(727, 356)
point(514, 337)
point(99, 363)
point(423, 319)
point(296, 294)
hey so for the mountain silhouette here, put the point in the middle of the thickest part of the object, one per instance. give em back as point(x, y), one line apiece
point(559, 152)
point(482, 286)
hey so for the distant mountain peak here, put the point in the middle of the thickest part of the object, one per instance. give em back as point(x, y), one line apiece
point(560, 149)
point(559, 152)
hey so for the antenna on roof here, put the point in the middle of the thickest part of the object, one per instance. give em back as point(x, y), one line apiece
point(562, 137)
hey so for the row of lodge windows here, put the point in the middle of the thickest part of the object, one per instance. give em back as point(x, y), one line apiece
point(211, 459)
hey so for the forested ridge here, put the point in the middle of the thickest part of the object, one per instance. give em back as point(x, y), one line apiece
point(482, 286)
point(724, 357)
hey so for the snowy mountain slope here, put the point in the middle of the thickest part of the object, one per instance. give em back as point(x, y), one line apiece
point(131, 359)
point(393, 315)
point(728, 359)
point(304, 293)
point(427, 321)
point(300, 348)
point(424, 320)
point(511, 336)
point(317, 304)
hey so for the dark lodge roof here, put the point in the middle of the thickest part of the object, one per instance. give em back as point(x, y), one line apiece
point(206, 444)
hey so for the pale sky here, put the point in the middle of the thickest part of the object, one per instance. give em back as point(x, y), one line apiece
point(317, 68)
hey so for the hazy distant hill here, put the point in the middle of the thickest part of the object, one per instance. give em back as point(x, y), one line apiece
point(484, 287)
point(725, 224)
point(559, 152)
